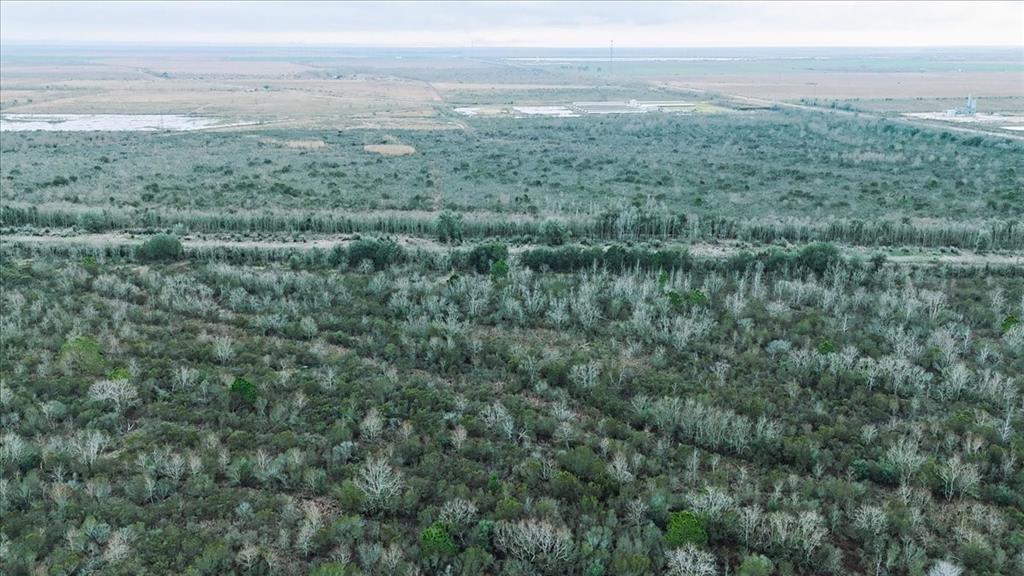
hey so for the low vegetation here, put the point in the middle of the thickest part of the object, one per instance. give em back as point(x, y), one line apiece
point(383, 413)
point(608, 345)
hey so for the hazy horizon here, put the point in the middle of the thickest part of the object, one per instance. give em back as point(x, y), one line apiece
point(517, 25)
point(599, 47)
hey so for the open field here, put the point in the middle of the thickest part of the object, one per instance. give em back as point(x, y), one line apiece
point(390, 149)
point(992, 105)
point(344, 89)
point(847, 85)
point(512, 312)
point(384, 102)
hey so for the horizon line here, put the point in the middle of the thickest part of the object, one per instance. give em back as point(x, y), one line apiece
point(78, 43)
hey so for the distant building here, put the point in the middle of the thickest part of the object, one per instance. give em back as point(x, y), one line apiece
point(969, 110)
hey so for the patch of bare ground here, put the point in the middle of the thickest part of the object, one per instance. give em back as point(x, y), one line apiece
point(298, 144)
point(496, 87)
point(390, 149)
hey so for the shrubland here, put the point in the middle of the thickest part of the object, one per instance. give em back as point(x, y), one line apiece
point(651, 344)
point(383, 412)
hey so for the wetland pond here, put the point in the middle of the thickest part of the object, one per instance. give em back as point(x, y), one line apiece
point(108, 122)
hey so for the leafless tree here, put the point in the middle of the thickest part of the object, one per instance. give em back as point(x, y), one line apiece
point(958, 477)
point(458, 512)
point(619, 468)
point(690, 561)
point(749, 519)
point(458, 437)
point(636, 509)
point(379, 482)
point(535, 541)
point(905, 457)
point(371, 426)
point(712, 502)
point(120, 393)
point(498, 418)
point(870, 519)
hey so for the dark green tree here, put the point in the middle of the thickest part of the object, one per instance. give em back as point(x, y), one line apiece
point(684, 527)
point(436, 541)
point(244, 391)
point(160, 248)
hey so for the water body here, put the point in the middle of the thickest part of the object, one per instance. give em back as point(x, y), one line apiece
point(107, 122)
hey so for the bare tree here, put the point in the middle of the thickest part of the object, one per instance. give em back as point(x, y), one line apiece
point(619, 468)
point(458, 437)
point(749, 522)
point(905, 458)
point(636, 509)
point(371, 426)
point(535, 541)
point(689, 561)
point(379, 482)
point(958, 477)
point(458, 512)
point(120, 393)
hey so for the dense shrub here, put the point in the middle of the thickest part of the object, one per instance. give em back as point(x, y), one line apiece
point(244, 391)
point(685, 527)
point(160, 248)
point(435, 541)
point(755, 565)
point(382, 253)
point(818, 257)
point(554, 233)
point(83, 353)
point(615, 258)
point(449, 227)
point(480, 258)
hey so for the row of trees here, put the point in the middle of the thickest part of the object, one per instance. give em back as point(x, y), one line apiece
point(623, 223)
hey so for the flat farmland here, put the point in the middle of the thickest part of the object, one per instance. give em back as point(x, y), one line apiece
point(262, 92)
point(997, 105)
point(847, 85)
point(387, 102)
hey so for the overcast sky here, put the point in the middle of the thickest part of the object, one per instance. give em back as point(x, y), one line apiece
point(556, 24)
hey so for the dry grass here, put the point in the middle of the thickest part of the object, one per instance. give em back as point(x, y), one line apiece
point(844, 85)
point(311, 144)
point(448, 87)
point(274, 94)
point(210, 65)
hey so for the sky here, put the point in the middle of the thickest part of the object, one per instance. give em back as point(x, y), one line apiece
point(518, 24)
